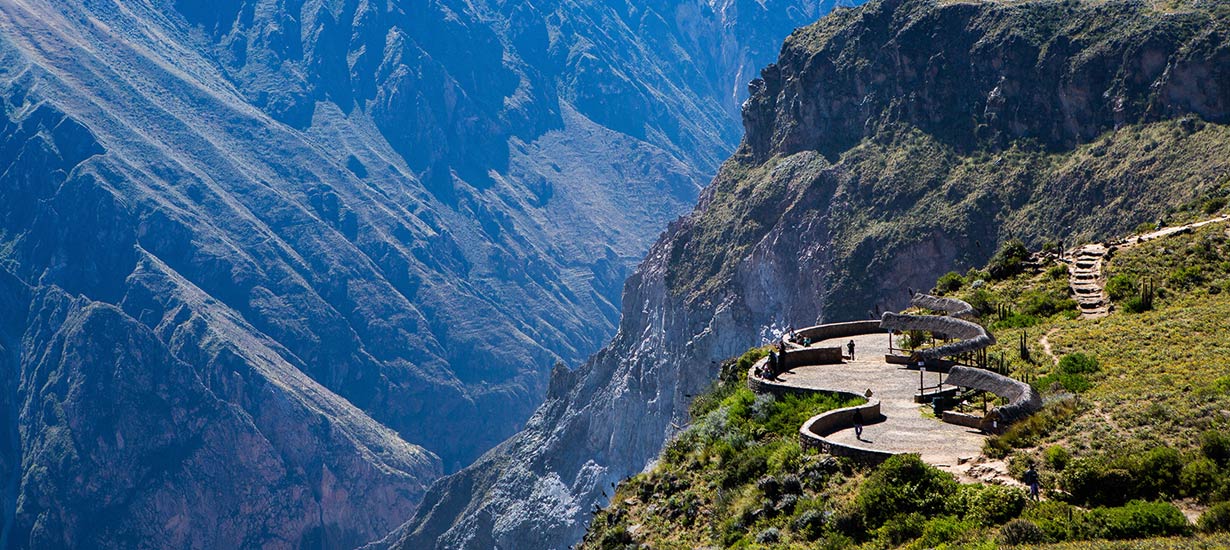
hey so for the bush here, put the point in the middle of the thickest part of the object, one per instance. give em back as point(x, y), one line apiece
point(1056, 519)
point(1057, 272)
point(769, 536)
point(1215, 444)
point(1079, 363)
point(1200, 479)
point(990, 504)
point(1021, 531)
point(1092, 480)
point(1137, 304)
point(1214, 205)
point(1057, 457)
point(1215, 519)
point(1158, 473)
point(1009, 260)
point(1185, 277)
point(902, 528)
point(1121, 287)
point(950, 282)
point(809, 524)
point(941, 530)
point(1071, 373)
point(901, 485)
point(1045, 304)
point(1137, 519)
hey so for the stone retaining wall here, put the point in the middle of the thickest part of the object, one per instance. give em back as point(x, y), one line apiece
point(811, 434)
point(838, 330)
point(801, 357)
point(967, 420)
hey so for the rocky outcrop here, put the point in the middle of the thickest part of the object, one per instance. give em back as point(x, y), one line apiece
point(882, 150)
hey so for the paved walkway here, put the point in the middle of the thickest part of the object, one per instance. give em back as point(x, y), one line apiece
point(904, 427)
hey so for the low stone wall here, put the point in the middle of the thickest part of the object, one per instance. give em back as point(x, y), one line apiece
point(967, 420)
point(801, 357)
point(838, 330)
point(811, 434)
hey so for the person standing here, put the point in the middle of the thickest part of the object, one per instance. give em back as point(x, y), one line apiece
point(850, 346)
point(857, 419)
point(1031, 479)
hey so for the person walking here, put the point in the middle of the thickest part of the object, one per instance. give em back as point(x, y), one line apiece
point(1031, 479)
point(850, 346)
point(857, 419)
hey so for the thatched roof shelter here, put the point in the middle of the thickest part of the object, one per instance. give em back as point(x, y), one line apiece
point(1022, 399)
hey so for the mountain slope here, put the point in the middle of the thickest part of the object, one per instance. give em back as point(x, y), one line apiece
point(889, 144)
point(349, 232)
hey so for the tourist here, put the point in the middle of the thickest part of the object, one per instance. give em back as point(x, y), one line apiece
point(850, 347)
point(1031, 479)
point(857, 419)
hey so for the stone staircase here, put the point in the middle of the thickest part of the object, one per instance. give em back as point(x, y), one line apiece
point(1088, 285)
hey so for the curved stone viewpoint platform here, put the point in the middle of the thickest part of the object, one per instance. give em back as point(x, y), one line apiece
point(894, 422)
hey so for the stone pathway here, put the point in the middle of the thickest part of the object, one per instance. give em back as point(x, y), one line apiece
point(1086, 278)
point(956, 449)
point(1087, 282)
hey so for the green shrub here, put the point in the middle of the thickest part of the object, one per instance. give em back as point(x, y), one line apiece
point(1214, 205)
point(1216, 518)
point(980, 299)
point(1079, 363)
point(1135, 520)
point(1021, 531)
point(1186, 277)
point(942, 530)
point(810, 524)
point(1137, 304)
point(1057, 520)
point(1121, 287)
point(1158, 473)
point(1215, 444)
point(989, 504)
point(1045, 304)
point(1009, 260)
point(1057, 457)
point(1095, 480)
point(1016, 320)
point(950, 282)
point(1200, 479)
point(743, 468)
point(901, 528)
point(1057, 272)
point(1071, 373)
point(901, 485)
point(913, 339)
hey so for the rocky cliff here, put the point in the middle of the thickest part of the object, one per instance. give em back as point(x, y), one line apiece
point(272, 267)
point(888, 144)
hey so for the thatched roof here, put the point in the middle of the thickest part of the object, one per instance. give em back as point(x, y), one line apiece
point(973, 336)
point(951, 306)
point(1022, 399)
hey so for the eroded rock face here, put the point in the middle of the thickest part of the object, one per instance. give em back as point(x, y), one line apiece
point(349, 238)
point(858, 182)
